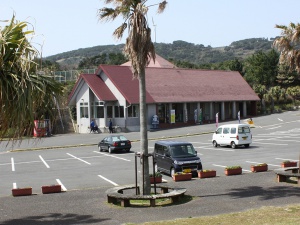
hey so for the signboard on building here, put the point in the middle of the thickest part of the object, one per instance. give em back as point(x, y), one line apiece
point(172, 115)
point(155, 121)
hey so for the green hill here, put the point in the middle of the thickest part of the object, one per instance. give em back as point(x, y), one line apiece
point(177, 51)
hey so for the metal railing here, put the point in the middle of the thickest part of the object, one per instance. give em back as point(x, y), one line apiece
point(70, 75)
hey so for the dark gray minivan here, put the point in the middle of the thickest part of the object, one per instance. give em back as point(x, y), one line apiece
point(176, 156)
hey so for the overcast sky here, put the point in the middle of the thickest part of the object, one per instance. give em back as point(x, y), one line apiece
point(65, 25)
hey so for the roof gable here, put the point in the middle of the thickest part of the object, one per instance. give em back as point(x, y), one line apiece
point(97, 86)
point(122, 78)
point(160, 62)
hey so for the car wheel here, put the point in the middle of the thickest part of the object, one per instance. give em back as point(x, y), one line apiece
point(246, 145)
point(128, 150)
point(233, 145)
point(172, 172)
point(100, 149)
point(215, 144)
point(109, 150)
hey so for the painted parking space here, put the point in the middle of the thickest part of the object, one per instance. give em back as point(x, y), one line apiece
point(86, 167)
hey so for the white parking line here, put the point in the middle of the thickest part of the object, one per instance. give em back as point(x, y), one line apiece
point(44, 162)
point(253, 162)
point(264, 162)
point(280, 123)
point(62, 186)
point(226, 166)
point(261, 163)
point(78, 159)
point(219, 165)
point(12, 164)
point(280, 119)
point(112, 156)
point(108, 180)
point(279, 139)
point(273, 165)
point(286, 159)
point(273, 128)
point(265, 143)
point(202, 143)
point(220, 149)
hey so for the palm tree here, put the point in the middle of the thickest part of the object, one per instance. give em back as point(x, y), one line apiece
point(139, 49)
point(24, 93)
point(294, 92)
point(277, 93)
point(288, 45)
point(272, 94)
point(261, 90)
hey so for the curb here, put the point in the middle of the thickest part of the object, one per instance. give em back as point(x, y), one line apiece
point(86, 145)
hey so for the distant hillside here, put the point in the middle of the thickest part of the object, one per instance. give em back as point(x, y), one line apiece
point(177, 51)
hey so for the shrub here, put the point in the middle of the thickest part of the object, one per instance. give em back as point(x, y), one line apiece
point(232, 167)
point(157, 174)
point(207, 170)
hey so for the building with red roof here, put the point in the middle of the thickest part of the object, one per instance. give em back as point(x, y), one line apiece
point(176, 96)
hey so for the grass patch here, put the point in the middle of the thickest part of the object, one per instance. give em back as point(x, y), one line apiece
point(287, 215)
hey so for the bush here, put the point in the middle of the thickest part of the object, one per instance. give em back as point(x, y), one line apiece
point(232, 167)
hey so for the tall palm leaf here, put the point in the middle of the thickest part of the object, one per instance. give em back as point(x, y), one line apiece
point(288, 45)
point(23, 93)
point(139, 49)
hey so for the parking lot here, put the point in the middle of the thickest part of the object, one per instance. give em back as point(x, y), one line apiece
point(275, 139)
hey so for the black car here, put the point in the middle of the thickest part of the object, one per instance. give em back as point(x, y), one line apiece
point(114, 143)
point(176, 156)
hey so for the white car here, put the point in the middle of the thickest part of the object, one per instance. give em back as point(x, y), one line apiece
point(232, 135)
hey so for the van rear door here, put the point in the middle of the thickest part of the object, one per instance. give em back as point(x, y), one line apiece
point(244, 135)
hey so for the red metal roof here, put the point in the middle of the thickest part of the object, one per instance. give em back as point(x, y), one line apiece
point(97, 86)
point(182, 85)
point(189, 85)
point(121, 77)
point(170, 85)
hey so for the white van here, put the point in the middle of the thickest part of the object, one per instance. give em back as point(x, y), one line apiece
point(233, 135)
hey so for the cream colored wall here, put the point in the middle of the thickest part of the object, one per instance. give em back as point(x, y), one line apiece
point(82, 96)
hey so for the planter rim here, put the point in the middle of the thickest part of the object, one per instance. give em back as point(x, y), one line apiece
point(22, 188)
point(53, 185)
point(233, 168)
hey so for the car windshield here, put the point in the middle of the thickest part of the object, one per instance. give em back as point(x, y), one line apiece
point(183, 151)
point(119, 138)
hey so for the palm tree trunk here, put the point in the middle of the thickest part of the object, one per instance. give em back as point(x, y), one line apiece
point(143, 133)
point(263, 105)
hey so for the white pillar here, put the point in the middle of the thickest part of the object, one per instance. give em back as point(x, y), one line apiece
point(244, 109)
point(234, 113)
point(222, 111)
point(105, 115)
point(170, 108)
point(211, 113)
point(198, 110)
point(185, 115)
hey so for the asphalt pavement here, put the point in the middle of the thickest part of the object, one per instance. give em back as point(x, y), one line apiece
point(210, 196)
point(75, 139)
